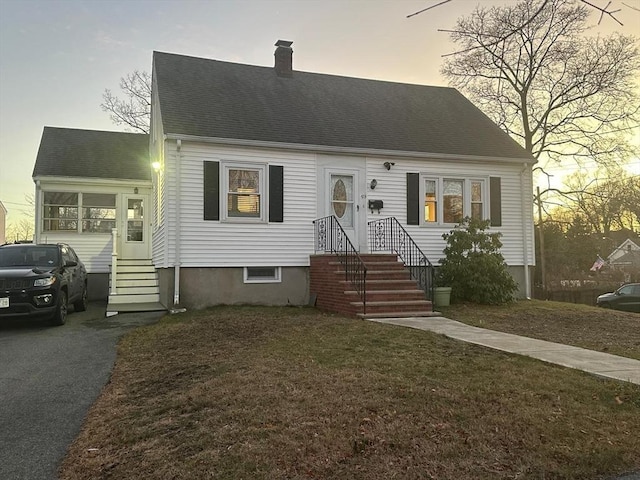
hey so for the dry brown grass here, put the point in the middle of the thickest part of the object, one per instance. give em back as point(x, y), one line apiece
point(594, 328)
point(270, 393)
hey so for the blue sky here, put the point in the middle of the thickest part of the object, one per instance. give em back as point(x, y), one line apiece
point(58, 56)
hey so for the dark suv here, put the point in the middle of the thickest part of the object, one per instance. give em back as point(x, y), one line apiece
point(40, 281)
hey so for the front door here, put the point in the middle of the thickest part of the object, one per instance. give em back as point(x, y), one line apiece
point(134, 227)
point(341, 198)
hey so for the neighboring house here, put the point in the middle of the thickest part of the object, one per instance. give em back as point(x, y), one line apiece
point(246, 158)
point(3, 224)
point(249, 156)
point(87, 184)
point(626, 258)
point(622, 250)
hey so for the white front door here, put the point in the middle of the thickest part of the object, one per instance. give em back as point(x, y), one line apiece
point(134, 227)
point(342, 200)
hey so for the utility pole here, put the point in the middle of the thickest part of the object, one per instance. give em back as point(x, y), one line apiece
point(543, 273)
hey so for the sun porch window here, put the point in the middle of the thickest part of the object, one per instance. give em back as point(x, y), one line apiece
point(78, 212)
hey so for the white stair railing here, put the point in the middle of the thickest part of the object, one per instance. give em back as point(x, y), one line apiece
point(114, 260)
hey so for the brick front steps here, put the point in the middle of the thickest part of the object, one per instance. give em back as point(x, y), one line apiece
point(390, 291)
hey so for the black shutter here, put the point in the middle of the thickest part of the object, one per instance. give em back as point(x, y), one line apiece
point(495, 201)
point(211, 190)
point(413, 199)
point(276, 193)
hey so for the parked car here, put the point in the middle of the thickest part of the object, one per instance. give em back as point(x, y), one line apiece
point(627, 298)
point(41, 280)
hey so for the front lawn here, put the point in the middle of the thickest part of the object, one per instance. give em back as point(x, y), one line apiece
point(287, 393)
point(594, 328)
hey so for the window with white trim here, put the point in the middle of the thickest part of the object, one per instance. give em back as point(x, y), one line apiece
point(60, 211)
point(447, 200)
point(98, 212)
point(79, 212)
point(244, 187)
point(262, 274)
point(430, 200)
point(452, 200)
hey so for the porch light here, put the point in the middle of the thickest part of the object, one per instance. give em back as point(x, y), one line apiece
point(156, 166)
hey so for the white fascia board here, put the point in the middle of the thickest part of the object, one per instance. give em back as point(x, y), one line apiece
point(369, 152)
point(93, 181)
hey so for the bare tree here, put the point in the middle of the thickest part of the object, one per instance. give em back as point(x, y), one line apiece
point(21, 230)
point(631, 202)
point(135, 109)
point(607, 10)
point(602, 202)
point(561, 94)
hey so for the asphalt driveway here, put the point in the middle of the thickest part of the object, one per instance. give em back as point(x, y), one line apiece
point(49, 377)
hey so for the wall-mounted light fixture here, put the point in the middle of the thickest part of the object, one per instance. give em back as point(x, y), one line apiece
point(387, 165)
point(373, 184)
point(135, 190)
point(156, 166)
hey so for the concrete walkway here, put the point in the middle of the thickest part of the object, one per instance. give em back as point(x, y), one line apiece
point(596, 363)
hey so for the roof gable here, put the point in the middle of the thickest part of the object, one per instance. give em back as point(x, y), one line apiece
point(68, 152)
point(210, 98)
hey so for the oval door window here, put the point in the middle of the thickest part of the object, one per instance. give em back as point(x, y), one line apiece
point(339, 198)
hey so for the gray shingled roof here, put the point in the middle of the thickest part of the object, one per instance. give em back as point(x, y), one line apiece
point(69, 152)
point(210, 98)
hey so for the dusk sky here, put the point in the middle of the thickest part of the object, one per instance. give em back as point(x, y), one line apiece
point(58, 56)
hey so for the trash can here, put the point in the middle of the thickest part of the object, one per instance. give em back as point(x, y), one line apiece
point(442, 296)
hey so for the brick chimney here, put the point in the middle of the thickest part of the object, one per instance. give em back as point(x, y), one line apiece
point(284, 58)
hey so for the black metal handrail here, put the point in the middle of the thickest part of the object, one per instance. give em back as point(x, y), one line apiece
point(330, 237)
point(387, 234)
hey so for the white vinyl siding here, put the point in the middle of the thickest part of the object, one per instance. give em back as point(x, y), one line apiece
point(157, 146)
point(233, 244)
point(230, 244)
point(392, 188)
point(94, 250)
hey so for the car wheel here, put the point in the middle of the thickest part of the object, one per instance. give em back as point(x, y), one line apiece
point(82, 304)
point(60, 317)
point(606, 305)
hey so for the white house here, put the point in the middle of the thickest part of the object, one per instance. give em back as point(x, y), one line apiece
point(626, 258)
point(247, 157)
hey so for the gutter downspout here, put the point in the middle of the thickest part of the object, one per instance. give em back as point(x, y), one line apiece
point(38, 213)
point(525, 235)
point(176, 270)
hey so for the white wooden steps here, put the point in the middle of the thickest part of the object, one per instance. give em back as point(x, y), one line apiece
point(136, 288)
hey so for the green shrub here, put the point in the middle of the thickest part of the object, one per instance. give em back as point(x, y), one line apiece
point(473, 265)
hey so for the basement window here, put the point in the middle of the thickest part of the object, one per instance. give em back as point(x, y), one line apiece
point(262, 275)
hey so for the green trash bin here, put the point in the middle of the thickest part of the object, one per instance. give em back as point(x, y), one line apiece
point(442, 296)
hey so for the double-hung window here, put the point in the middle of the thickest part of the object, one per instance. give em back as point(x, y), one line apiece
point(447, 200)
point(244, 192)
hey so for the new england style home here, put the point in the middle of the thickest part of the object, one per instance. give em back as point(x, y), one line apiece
point(273, 186)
